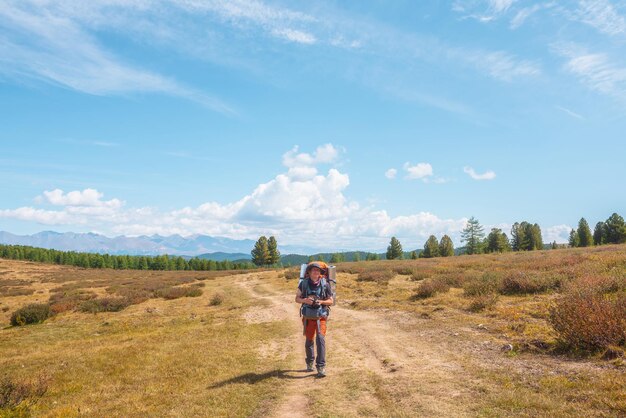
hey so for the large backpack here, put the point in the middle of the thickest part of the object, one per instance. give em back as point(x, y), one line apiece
point(323, 311)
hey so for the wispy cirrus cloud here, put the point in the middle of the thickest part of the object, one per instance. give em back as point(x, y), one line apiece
point(54, 45)
point(482, 10)
point(602, 15)
point(596, 70)
point(570, 112)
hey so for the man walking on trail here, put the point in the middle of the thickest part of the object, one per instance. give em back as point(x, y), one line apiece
point(315, 295)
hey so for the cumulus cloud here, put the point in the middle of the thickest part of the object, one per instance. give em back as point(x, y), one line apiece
point(300, 206)
point(87, 197)
point(418, 171)
point(391, 173)
point(558, 233)
point(487, 175)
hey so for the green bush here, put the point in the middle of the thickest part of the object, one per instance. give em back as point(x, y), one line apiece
point(104, 305)
point(31, 314)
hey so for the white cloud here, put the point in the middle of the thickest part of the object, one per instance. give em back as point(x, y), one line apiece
point(391, 173)
point(87, 197)
point(558, 233)
point(601, 14)
point(482, 10)
point(523, 14)
point(307, 209)
point(503, 66)
point(487, 175)
point(295, 36)
point(418, 171)
point(595, 70)
point(36, 46)
point(570, 112)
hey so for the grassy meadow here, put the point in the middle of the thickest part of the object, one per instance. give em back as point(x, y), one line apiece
point(533, 334)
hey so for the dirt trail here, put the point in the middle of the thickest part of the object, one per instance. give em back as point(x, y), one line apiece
point(381, 346)
point(388, 363)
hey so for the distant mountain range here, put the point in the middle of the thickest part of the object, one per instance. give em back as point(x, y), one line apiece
point(214, 248)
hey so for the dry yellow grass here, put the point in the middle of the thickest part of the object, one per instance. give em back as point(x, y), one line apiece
point(390, 354)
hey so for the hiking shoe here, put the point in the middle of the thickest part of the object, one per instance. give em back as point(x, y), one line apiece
point(309, 366)
point(321, 371)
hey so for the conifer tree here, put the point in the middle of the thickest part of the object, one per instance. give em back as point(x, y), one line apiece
point(356, 256)
point(336, 258)
point(599, 234)
point(261, 253)
point(272, 246)
point(554, 246)
point(585, 239)
point(431, 248)
point(394, 250)
point(497, 241)
point(473, 236)
point(414, 255)
point(615, 229)
point(517, 237)
point(573, 238)
point(446, 248)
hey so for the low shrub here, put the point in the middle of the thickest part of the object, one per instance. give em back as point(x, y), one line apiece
point(379, 276)
point(170, 293)
point(430, 287)
point(13, 394)
point(487, 284)
point(403, 270)
point(66, 300)
point(420, 275)
point(292, 274)
point(104, 305)
point(16, 291)
point(521, 283)
point(31, 314)
point(587, 318)
point(481, 302)
point(216, 299)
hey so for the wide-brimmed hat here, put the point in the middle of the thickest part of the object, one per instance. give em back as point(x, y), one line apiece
point(319, 264)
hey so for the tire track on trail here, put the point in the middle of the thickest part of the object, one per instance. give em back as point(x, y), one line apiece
point(378, 363)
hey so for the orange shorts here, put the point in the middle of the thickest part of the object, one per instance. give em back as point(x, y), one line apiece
point(310, 327)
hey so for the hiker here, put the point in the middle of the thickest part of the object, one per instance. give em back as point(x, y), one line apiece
point(315, 295)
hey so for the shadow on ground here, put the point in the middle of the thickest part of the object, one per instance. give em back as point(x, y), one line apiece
point(252, 378)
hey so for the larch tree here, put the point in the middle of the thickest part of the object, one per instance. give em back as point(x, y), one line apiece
point(473, 235)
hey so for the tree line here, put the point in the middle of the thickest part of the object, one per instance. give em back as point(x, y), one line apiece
point(611, 231)
point(525, 236)
point(118, 262)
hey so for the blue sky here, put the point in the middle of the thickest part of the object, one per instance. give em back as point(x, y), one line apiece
point(336, 123)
